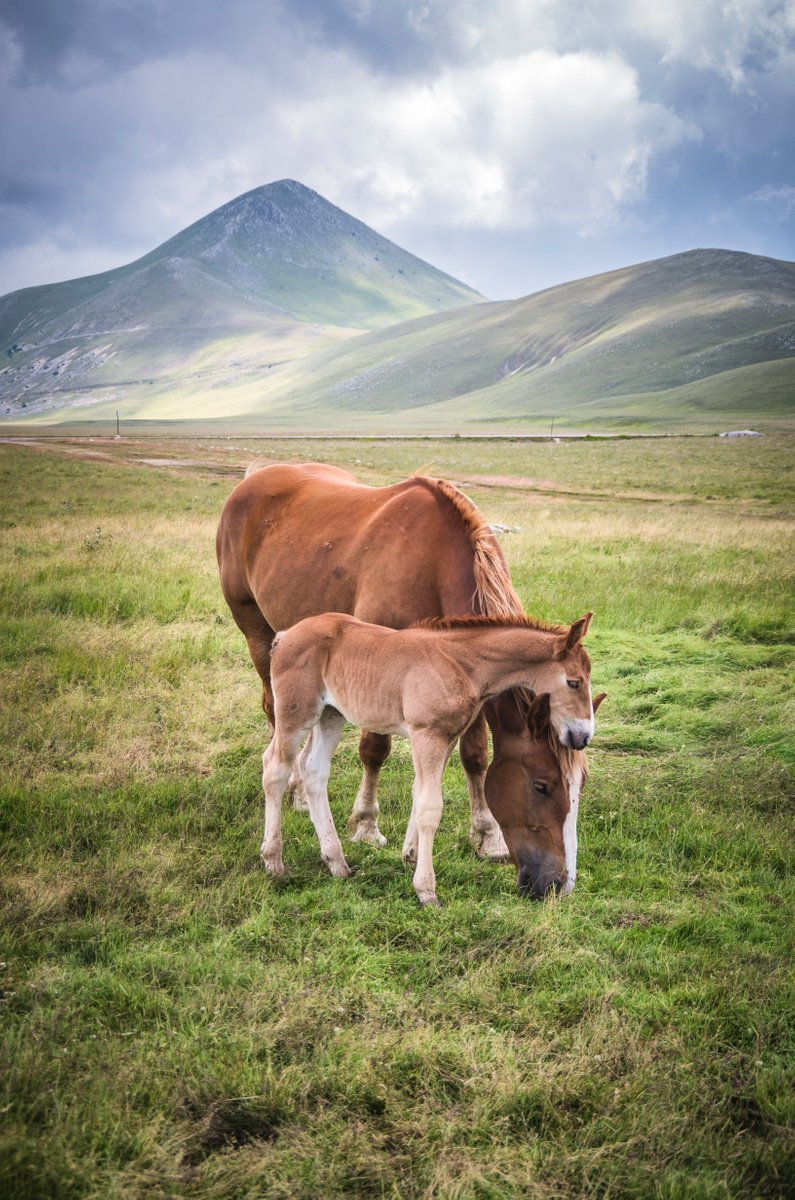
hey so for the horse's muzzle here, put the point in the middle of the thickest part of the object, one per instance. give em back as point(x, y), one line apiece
point(537, 885)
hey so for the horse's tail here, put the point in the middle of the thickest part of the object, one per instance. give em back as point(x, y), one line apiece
point(494, 593)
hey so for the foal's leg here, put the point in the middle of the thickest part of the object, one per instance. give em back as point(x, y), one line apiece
point(259, 637)
point(410, 840)
point(277, 762)
point(363, 822)
point(484, 834)
point(430, 752)
point(315, 768)
point(295, 788)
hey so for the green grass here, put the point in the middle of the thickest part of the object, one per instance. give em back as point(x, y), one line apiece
point(176, 1024)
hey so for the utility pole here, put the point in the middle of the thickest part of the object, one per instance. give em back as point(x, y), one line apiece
point(117, 423)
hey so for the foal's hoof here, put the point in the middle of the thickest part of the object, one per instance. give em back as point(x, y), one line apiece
point(276, 869)
point(340, 870)
point(410, 857)
point(428, 899)
point(299, 800)
point(489, 844)
point(366, 831)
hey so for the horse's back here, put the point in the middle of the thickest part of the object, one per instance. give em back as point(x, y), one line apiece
point(301, 540)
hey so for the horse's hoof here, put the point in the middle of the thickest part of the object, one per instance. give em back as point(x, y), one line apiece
point(340, 870)
point(410, 857)
point(276, 870)
point(490, 845)
point(300, 802)
point(367, 832)
point(428, 899)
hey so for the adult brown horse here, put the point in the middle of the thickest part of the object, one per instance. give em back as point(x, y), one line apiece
point(533, 788)
point(295, 541)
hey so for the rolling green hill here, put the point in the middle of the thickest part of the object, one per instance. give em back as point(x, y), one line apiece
point(268, 277)
point(693, 338)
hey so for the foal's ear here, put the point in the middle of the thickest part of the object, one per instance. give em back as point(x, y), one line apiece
point(538, 717)
point(597, 700)
point(578, 631)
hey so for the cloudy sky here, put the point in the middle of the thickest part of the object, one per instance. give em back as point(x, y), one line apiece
point(514, 143)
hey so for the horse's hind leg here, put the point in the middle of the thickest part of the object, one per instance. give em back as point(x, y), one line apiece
point(363, 822)
point(315, 768)
point(484, 834)
point(259, 638)
point(277, 762)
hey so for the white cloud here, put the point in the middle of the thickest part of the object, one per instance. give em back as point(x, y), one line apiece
point(737, 39)
point(780, 201)
point(525, 139)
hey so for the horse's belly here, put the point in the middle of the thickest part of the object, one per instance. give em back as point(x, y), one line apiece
point(364, 716)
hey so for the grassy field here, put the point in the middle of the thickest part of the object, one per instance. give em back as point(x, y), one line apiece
point(175, 1024)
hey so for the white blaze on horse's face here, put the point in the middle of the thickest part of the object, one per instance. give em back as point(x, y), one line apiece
point(570, 834)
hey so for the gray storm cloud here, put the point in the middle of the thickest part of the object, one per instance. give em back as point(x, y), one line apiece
point(513, 146)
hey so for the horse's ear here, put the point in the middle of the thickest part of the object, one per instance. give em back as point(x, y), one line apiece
point(538, 717)
point(508, 711)
point(578, 631)
point(597, 700)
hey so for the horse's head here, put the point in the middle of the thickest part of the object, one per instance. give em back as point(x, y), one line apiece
point(567, 679)
point(533, 789)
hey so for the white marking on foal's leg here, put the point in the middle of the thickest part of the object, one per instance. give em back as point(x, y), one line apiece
point(484, 834)
point(410, 840)
point(296, 787)
point(316, 766)
point(363, 821)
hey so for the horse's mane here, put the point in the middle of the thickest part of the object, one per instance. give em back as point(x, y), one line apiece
point(477, 620)
point(494, 593)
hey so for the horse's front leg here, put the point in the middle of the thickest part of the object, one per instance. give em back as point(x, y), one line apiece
point(430, 752)
point(363, 822)
point(484, 834)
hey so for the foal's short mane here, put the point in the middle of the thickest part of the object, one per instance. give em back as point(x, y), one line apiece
point(494, 594)
point(508, 621)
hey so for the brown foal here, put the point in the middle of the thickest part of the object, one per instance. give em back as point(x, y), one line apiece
point(429, 683)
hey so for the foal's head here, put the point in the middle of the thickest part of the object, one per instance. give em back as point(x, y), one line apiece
point(533, 789)
point(567, 679)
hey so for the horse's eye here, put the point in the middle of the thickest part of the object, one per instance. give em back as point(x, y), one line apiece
point(573, 683)
point(543, 788)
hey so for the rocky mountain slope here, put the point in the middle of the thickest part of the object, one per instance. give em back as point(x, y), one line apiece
point(265, 278)
point(280, 312)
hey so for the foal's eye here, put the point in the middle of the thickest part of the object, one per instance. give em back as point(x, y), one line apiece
point(542, 788)
point(573, 683)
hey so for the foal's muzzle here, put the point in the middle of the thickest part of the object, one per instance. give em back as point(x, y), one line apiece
point(577, 735)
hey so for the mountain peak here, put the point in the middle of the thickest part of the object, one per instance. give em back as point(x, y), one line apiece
point(288, 246)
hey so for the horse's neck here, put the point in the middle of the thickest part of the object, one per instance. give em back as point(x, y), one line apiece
point(505, 657)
